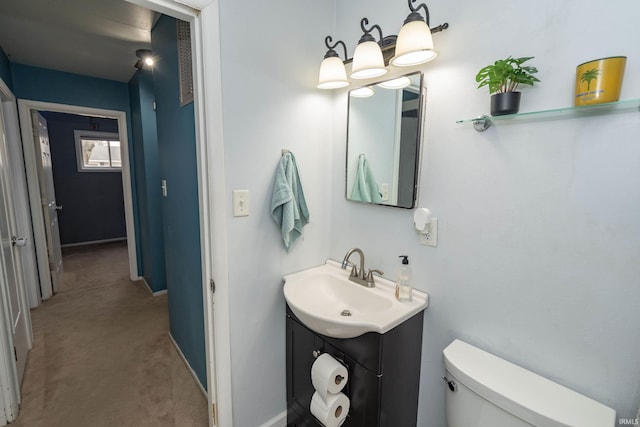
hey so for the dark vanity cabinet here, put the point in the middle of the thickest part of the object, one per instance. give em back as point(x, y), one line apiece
point(384, 373)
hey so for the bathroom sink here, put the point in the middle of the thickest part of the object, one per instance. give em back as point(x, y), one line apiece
point(327, 302)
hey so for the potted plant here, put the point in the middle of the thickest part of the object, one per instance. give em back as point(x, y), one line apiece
point(503, 78)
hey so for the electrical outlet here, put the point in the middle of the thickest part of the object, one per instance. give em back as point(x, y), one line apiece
point(240, 202)
point(384, 190)
point(430, 238)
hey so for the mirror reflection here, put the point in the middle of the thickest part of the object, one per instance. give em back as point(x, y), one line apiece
point(383, 142)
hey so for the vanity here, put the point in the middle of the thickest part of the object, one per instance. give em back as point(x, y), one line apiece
point(353, 316)
point(379, 342)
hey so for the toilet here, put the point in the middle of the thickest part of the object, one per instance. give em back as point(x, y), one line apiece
point(487, 391)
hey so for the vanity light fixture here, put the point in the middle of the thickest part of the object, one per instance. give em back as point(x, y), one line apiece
point(412, 46)
point(415, 44)
point(363, 92)
point(399, 83)
point(332, 72)
point(145, 57)
point(367, 58)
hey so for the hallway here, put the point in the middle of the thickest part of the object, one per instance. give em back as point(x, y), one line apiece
point(102, 354)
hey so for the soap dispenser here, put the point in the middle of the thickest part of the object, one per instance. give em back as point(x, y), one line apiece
point(404, 284)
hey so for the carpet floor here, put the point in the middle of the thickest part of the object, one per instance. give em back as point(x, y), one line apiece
point(102, 355)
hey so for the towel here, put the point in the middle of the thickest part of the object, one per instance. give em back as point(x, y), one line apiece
point(288, 206)
point(365, 187)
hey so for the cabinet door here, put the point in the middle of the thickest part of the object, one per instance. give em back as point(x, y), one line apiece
point(362, 389)
point(301, 343)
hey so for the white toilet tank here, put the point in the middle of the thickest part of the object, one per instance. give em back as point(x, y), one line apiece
point(491, 392)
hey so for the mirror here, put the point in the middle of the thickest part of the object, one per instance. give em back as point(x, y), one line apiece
point(383, 144)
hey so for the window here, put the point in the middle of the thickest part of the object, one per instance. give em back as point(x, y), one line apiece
point(98, 151)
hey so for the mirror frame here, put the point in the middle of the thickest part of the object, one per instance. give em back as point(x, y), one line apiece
point(421, 115)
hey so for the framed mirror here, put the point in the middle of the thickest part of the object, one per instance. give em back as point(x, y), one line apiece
point(384, 134)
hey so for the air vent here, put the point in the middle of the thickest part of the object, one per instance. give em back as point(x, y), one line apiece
point(184, 62)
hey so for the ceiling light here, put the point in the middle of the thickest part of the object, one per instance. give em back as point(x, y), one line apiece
point(398, 83)
point(145, 57)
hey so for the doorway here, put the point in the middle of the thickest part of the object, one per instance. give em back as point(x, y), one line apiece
point(26, 109)
point(212, 198)
point(86, 163)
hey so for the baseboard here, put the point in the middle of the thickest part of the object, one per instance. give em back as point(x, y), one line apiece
point(279, 420)
point(186, 363)
point(156, 293)
point(94, 242)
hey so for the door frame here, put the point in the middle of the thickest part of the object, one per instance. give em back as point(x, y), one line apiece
point(212, 195)
point(25, 106)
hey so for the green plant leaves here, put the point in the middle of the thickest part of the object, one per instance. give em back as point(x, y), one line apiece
point(505, 75)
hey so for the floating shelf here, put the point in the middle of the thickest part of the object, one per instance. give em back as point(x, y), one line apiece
point(483, 123)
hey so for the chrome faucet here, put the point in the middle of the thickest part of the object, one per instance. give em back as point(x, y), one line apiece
point(357, 274)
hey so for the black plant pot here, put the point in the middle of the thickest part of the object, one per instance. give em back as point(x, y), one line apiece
point(505, 103)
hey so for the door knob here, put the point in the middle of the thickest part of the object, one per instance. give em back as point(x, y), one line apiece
point(18, 241)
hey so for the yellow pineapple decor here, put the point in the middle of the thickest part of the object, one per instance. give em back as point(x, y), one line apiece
point(599, 81)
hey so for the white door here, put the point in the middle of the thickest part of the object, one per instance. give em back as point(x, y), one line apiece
point(48, 197)
point(20, 198)
point(10, 248)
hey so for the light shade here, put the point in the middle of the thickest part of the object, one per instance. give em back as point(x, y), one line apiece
point(414, 45)
point(363, 92)
point(332, 74)
point(367, 61)
point(398, 83)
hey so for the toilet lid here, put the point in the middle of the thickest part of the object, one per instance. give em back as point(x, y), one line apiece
point(523, 393)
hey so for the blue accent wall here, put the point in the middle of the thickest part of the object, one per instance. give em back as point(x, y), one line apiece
point(180, 209)
point(93, 203)
point(41, 84)
point(5, 69)
point(145, 147)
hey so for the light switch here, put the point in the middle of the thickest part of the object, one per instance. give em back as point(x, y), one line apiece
point(163, 185)
point(240, 202)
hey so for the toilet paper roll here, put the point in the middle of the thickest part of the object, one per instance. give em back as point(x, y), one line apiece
point(328, 376)
point(330, 412)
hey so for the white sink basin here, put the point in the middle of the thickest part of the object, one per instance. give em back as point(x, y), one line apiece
point(319, 297)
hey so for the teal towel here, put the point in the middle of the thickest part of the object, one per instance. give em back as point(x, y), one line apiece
point(288, 206)
point(365, 187)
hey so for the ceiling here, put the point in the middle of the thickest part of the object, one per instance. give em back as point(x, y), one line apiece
point(91, 37)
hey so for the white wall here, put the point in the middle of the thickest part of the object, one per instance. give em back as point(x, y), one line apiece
point(539, 238)
point(270, 57)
